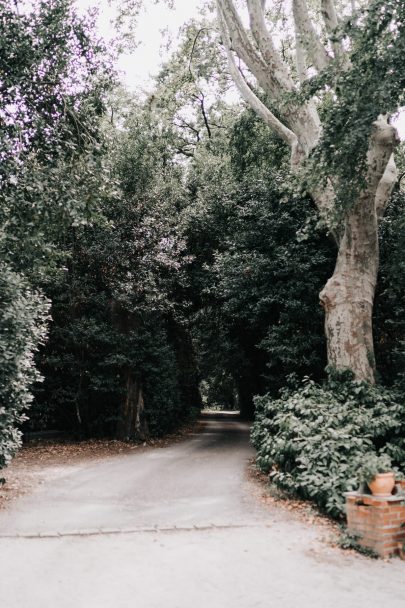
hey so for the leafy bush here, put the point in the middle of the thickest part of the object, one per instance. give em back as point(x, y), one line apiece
point(22, 327)
point(312, 439)
point(373, 464)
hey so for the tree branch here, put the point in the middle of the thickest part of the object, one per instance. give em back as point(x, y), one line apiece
point(331, 21)
point(386, 186)
point(204, 115)
point(265, 44)
point(329, 14)
point(202, 29)
point(300, 60)
point(240, 42)
point(249, 96)
point(315, 50)
point(382, 172)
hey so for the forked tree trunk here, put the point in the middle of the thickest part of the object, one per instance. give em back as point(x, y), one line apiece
point(348, 298)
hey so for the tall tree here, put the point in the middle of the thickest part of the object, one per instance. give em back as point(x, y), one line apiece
point(52, 79)
point(331, 104)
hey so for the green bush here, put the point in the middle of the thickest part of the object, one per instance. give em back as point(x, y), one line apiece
point(22, 327)
point(372, 465)
point(312, 439)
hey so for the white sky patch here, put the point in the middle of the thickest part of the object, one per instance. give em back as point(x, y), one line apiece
point(154, 22)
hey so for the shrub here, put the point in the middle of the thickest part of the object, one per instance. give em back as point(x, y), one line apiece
point(312, 439)
point(371, 465)
point(22, 327)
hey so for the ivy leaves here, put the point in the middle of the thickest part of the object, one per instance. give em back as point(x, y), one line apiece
point(354, 95)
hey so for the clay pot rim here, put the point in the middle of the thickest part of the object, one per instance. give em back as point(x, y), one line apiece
point(388, 474)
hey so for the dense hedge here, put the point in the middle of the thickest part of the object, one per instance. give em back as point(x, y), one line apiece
point(312, 440)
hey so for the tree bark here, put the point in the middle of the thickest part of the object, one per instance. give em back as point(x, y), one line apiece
point(131, 424)
point(348, 297)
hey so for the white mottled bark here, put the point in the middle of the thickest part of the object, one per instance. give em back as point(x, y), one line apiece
point(249, 96)
point(348, 295)
point(331, 21)
point(309, 39)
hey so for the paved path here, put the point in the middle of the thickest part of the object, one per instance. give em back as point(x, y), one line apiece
point(176, 528)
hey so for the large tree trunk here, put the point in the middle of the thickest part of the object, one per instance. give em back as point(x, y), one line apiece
point(348, 298)
point(131, 422)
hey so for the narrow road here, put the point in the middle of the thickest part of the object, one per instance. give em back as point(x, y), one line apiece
point(176, 527)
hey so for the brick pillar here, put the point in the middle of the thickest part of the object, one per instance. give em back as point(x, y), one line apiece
point(378, 522)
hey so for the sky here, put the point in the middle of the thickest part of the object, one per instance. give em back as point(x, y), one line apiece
point(145, 61)
point(138, 67)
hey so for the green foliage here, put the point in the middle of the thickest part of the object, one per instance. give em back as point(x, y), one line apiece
point(372, 464)
point(55, 75)
point(389, 308)
point(115, 307)
point(22, 329)
point(372, 84)
point(259, 262)
point(312, 439)
point(53, 79)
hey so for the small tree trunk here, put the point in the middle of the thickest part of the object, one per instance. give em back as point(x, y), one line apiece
point(348, 296)
point(130, 423)
point(188, 376)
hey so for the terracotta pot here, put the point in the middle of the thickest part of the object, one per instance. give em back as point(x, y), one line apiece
point(382, 484)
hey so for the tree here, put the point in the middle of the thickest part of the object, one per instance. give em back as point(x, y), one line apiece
point(53, 77)
point(332, 107)
point(118, 360)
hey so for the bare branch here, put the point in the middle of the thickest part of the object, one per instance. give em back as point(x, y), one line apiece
point(202, 29)
point(204, 115)
point(329, 15)
point(300, 60)
point(186, 125)
point(240, 42)
point(249, 96)
point(331, 21)
point(265, 44)
point(315, 50)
